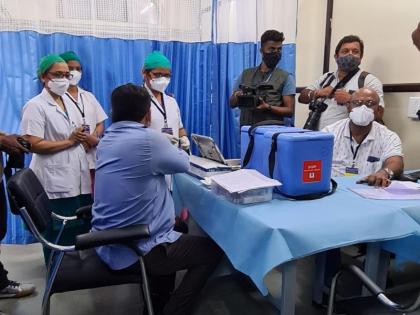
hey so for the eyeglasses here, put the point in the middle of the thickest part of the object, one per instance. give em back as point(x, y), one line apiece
point(161, 75)
point(60, 75)
point(368, 103)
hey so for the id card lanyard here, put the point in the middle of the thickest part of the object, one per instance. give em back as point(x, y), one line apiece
point(81, 110)
point(270, 74)
point(357, 148)
point(162, 111)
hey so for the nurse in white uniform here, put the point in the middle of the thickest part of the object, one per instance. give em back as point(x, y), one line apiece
point(91, 115)
point(49, 122)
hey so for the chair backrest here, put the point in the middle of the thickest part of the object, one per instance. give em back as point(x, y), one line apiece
point(25, 190)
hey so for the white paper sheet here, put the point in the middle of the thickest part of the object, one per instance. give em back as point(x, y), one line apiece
point(398, 190)
point(243, 180)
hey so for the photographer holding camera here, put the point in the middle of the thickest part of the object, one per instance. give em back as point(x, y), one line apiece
point(12, 145)
point(272, 88)
point(348, 55)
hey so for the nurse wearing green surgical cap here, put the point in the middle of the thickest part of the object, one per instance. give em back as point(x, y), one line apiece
point(165, 112)
point(90, 112)
point(49, 123)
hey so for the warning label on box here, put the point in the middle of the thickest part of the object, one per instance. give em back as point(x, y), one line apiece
point(312, 171)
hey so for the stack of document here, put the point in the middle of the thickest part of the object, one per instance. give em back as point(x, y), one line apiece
point(398, 190)
point(244, 180)
point(244, 186)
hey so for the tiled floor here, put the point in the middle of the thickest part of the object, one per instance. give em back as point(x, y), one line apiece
point(227, 295)
point(223, 295)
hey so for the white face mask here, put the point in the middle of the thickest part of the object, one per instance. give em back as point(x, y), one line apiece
point(77, 75)
point(59, 86)
point(362, 115)
point(160, 84)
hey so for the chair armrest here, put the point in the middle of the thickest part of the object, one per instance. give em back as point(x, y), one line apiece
point(58, 217)
point(84, 213)
point(113, 236)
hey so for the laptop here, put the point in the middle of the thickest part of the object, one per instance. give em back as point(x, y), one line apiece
point(211, 161)
point(209, 150)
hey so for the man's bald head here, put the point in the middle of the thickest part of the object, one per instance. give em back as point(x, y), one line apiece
point(416, 37)
point(366, 93)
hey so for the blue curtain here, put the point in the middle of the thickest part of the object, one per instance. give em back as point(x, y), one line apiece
point(203, 77)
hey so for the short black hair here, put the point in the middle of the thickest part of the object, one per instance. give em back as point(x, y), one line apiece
point(273, 35)
point(129, 102)
point(350, 39)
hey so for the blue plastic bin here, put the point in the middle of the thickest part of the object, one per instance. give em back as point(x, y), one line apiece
point(303, 161)
point(259, 156)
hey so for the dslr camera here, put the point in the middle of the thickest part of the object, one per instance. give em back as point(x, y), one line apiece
point(317, 106)
point(252, 95)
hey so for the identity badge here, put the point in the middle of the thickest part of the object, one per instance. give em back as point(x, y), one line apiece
point(86, 129)
point(167, 130)
point(351, 171)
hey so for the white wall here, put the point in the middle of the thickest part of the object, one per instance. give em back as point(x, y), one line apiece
point(385, 26)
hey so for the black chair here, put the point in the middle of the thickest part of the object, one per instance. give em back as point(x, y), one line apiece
point(70, 269)
point(407, 301)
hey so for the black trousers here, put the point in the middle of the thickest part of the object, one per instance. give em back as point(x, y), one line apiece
point(4, 281)
point(198, 255)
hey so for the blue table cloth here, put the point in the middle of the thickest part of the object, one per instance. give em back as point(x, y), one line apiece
point(258, 237)
point(408, 248)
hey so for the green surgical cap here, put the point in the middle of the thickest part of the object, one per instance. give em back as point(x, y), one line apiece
point(156, 60)
point(47, 61)
point(69, 56)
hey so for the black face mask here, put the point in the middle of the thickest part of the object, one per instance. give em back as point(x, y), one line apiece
point(271, 59)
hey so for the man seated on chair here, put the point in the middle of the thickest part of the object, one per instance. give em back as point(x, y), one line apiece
point(130, 189)
point(364, 147)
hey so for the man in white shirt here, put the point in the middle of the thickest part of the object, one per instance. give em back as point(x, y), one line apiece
point(348, 55)
point(364, 147)
point(166, 116)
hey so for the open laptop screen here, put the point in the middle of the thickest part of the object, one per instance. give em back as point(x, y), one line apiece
point(208, 148)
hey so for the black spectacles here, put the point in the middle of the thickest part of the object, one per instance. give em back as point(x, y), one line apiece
point(369, 103)
point(60, 75)
point(161, 75)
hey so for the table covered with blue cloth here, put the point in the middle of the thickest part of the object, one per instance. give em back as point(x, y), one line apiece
point(259, 237)
point(406, 249)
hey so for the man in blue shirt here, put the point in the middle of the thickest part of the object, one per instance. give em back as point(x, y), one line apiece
point(130, 188)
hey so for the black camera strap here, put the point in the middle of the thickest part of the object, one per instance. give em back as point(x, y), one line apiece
point(341, 83)
point(251, 129)
point(271, 165)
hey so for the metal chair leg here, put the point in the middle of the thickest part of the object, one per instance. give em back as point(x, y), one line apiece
point(46, 306)
point(145, 287)
point(51, 277)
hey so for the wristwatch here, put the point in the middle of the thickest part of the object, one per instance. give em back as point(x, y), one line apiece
point(389, 172)
point(269, 107)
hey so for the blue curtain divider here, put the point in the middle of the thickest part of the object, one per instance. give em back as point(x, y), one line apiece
point(203, 77)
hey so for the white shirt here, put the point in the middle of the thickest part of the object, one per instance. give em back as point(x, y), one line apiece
point(66, 173)
point(336, 112)
point(379, 145)
point(173, 114)
point(94, 114)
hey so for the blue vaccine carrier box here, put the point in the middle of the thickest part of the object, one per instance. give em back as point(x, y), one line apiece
point(300, 159)
point(259, 155)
